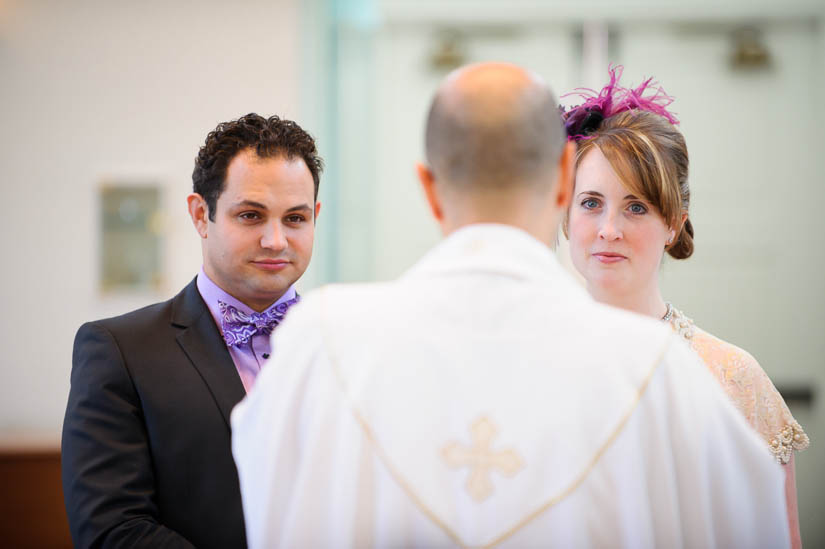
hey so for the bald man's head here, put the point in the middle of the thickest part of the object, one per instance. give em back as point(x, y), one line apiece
point(493, 125)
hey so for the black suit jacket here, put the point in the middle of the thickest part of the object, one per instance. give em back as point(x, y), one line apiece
point(147, 459)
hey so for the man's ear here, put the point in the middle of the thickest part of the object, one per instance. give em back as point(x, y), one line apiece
point(566, 176)
point(317, 211)
point(199, 212)
point(427, 179)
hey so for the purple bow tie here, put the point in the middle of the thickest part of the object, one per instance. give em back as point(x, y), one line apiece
point(239, 326)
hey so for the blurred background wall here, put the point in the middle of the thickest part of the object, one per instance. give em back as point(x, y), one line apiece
point(95, 93)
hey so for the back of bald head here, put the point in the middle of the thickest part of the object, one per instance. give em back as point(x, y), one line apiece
point(494, 126)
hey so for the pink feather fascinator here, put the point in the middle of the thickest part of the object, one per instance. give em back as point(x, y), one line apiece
point(582, 120)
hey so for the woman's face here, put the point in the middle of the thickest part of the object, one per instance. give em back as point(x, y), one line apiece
point(616, 239)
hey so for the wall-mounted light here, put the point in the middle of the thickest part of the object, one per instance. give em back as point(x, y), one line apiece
point(749, 50)
point(448, 52)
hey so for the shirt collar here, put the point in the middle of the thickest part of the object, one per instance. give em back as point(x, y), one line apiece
point(499, 248)
point(212, 294)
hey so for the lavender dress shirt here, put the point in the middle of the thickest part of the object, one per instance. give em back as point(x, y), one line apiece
point(250, 356)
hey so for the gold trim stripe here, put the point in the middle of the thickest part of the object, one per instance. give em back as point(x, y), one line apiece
point(398, 477)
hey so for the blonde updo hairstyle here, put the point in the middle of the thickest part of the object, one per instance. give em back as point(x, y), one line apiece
point(650, 158)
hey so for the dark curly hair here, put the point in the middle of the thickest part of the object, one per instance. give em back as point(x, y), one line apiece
point(268, 137)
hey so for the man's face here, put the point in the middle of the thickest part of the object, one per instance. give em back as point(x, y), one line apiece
point(260, 241)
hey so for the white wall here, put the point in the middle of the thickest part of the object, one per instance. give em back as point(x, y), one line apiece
point(95, 89)
point(519, 11)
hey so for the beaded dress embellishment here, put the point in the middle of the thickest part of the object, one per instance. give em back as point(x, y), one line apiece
point(746, 384)
point(681, 324)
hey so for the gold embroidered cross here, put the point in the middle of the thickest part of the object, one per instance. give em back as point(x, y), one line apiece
point(482, 459)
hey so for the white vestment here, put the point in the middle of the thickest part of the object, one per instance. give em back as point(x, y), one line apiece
point(484, 399)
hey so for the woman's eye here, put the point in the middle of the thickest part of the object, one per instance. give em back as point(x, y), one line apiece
point(637, 208)
point(590, 203)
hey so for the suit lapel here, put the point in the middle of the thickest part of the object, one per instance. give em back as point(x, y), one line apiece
point(202, 343)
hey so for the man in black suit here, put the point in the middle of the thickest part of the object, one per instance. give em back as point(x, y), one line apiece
point(146, 440)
